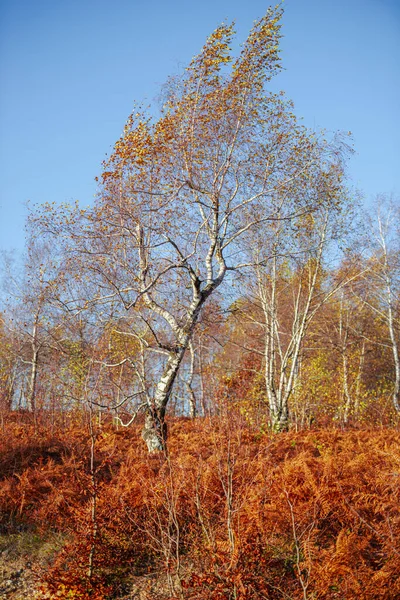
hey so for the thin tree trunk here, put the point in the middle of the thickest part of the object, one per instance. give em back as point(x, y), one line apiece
point(192, 396)
point(395, 349)
point(346, 390)
point(155, 431)
point(390, 320)
point(358, 382)
point(34, 369)
point(202, 397)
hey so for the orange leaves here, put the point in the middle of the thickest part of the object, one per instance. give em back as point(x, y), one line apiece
point(259, 60)
point(243, 514)
point(215, 52)
point(134, 148)
point(201, 107)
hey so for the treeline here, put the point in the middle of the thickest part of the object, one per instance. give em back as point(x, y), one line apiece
point(297, 342)
point(224, 262)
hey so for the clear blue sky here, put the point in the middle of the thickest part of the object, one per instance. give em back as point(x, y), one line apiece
point(70, 71)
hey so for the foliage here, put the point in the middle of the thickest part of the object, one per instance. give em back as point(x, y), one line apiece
point(227, 513)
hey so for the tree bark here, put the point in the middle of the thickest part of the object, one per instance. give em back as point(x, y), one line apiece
point(155, 431)
point(280, 418)
point(34, 366)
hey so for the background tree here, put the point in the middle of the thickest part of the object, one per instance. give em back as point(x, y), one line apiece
point(384, 278)
point(8, 366)
point(31, 320)
point(288, 284)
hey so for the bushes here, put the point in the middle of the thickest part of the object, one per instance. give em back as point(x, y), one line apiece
point(226, 514)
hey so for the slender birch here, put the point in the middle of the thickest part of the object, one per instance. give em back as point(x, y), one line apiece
point(181, 195)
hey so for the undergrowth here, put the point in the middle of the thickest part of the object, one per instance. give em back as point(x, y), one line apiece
point(227, 513)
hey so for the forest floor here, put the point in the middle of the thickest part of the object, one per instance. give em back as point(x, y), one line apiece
point(228, 513)
point(16, 580)
point(22, 557)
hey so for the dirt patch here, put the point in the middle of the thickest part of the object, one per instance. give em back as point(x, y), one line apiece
point(17, 580)
point(22, 557)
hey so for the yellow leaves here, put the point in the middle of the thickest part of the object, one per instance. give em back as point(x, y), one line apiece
point(215, 52)
point(259, 59)
point(199, 108)
point(134, 148)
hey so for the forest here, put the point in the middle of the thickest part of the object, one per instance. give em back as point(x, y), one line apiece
point(200, 372)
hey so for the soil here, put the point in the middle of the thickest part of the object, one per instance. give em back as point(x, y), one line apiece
point(23, 558)
point(17, 579)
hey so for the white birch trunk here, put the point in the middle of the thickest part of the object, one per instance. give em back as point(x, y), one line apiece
point(155, 432)
point(390, 315)
point(281, 376)
point(34, 370)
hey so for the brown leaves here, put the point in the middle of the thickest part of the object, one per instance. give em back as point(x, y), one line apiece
point(258, 515)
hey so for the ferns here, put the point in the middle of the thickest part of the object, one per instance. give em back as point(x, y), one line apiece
point(226, 514)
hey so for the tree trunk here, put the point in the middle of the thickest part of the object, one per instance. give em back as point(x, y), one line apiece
point(388, 274)
point(280, 419)
point(154, 431)
point(395, 350)
point(358, 381)
point(32, 383)
point(346, 389)
point(34, 368)
point(189, 382)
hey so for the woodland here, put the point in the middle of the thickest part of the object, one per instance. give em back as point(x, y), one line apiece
point(200, 373)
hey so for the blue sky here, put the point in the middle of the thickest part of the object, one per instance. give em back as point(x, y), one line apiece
point(71, 70)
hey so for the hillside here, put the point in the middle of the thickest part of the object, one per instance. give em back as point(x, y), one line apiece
point(227, 513)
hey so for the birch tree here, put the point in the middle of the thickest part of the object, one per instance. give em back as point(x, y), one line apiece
point(181, 195)
point(384, 278)
point(290, 283)
point(345, 334)
point(31, 321)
